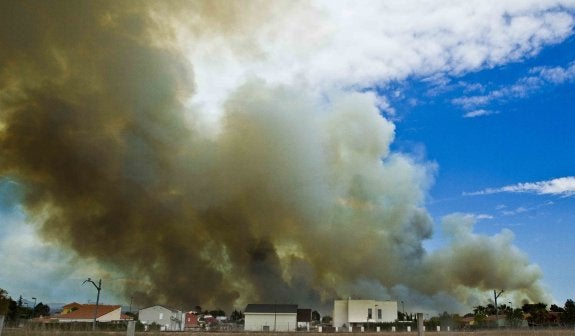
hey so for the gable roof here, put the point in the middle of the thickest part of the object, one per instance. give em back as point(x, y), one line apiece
point(271, 308)
point(87, 312)
point(161, 306)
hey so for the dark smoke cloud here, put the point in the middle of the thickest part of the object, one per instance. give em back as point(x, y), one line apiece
point(295, 200)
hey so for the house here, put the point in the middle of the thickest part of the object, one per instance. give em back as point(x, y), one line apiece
point(304, 319)
point(270, 317)
point(191, 320)
point(168, 319)
point(70, 307)
point(358, 312)
point(210, 320)
point(85, 313)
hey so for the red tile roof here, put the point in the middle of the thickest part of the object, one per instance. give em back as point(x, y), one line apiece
point(87, 312)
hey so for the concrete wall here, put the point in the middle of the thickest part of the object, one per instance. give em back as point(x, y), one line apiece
point(340, 313)
point(282, 322)
point(357, 311)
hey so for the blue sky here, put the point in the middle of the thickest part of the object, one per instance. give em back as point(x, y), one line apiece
point(527, 136)
point(474, 99)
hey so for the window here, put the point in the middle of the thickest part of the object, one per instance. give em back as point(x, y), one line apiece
point(379, 314)
point(161, 316)
point(369, 313)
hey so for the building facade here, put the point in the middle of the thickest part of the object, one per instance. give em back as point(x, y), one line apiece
point(168, 319)
point(270, 317)
point(354, 312)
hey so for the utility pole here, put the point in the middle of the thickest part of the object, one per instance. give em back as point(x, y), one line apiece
point(496, 295)
point(131, 299)
point(403, 310)
point(34, 309)
point(98, 287)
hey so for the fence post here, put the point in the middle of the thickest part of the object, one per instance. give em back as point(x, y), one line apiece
point(131, 328)
point(420, 326)
point(1, 323)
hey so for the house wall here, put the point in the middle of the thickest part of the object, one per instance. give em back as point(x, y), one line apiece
point(281, 321)
point(166, 318)
point(114, 315)
point(340, 313)
point(191, 320)
point(357, 311)
point(65, 320)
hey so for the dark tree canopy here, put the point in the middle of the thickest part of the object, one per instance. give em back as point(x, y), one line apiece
point(569, 314)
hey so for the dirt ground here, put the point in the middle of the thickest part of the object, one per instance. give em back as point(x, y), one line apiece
point(518, 332)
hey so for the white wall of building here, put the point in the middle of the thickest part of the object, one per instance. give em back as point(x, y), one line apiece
point(349, 311)
point(281, 321)
point(169, 320)
point(115, 315)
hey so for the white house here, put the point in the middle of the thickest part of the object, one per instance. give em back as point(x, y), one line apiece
point(168, 319)
point(349, 312)
point(270, 317)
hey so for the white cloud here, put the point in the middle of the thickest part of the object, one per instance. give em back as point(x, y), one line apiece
point(564, 186)
point(483, 216)
point(556, 75)
point(519, 210)
point(539, 77)
point(345, 44)
point(479, 113)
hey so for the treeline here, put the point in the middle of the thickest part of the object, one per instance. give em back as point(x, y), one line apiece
point(15, 310)
point(529, 314)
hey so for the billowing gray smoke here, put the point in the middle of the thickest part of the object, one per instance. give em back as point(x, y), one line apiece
point(292, 199)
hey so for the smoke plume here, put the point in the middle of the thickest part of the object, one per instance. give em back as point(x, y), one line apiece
point(293, 197)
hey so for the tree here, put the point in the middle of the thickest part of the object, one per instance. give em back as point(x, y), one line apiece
point(448, 320)
point(217, 312)
point(4, 301)
point(237, 316)
point(505, 309)
point(515, 317)
point(41, 310)
point(326, 319)
point(556, 309)
point(400, 316)
point(315, 316)
point(569, 314)
point(490, 309)
point(537, 312)
point(480, 314)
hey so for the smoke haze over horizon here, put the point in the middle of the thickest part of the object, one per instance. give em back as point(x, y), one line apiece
point(168, 144)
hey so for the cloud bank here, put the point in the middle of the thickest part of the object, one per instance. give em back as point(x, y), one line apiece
point(563, 186)
point(210, 153)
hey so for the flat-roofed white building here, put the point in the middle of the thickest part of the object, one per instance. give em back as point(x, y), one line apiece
point(270, 317)
point(349, 312)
